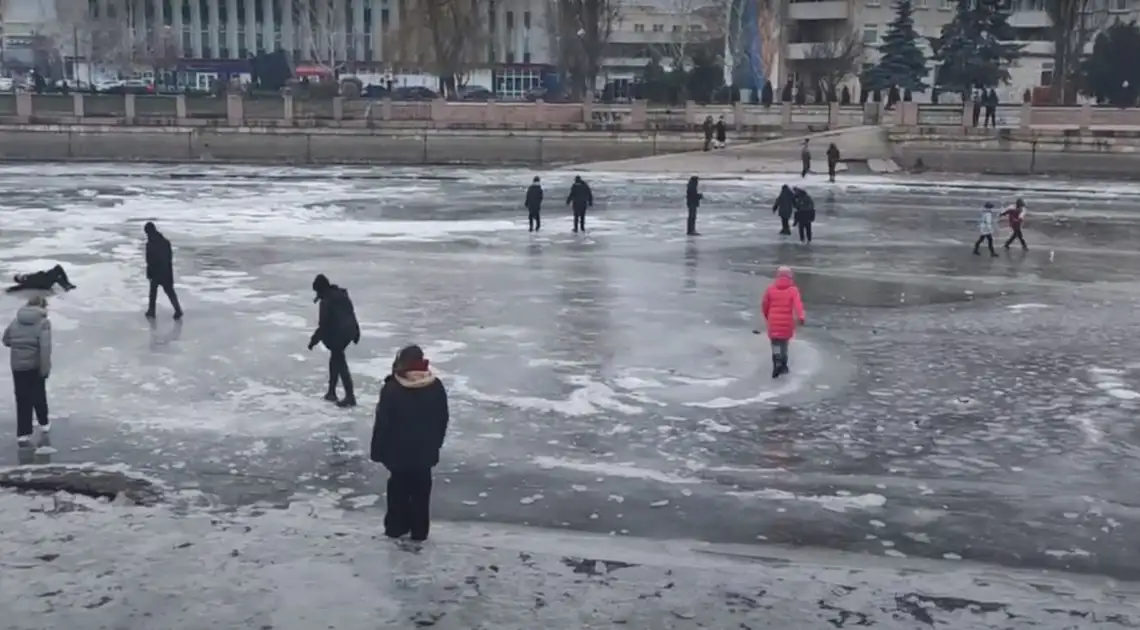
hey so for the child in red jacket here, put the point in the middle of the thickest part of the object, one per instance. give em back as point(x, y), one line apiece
point(781, 308)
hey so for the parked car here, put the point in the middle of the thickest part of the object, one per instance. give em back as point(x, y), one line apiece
point(417, 93)
point(477, 94)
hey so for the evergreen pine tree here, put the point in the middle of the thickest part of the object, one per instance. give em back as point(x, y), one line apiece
point(903, 63)
point(973, 49)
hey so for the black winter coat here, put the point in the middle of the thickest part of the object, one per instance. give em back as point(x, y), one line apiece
point(534, 199)
point(336, 325)
point(411, 422)
point(693, 198)
point(805, 208)
point(159, 259)
point(721, 131)
point(785, 203)
point(580, 197)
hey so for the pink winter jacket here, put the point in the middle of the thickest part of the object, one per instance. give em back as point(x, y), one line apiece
point(782, 306)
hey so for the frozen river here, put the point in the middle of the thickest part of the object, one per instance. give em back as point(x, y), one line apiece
point(941, 404)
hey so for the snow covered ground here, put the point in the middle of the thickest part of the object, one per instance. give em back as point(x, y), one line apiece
point(72, 562)
point(941, 405)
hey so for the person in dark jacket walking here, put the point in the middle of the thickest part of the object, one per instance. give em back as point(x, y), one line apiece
point(534, 205)
point(707, 128)
point(832, 161)
point(29, 338)
point(990, 101)
point(41, 280)
point(579, 199)
point(336, 328)
point(805, 158)
point(160, 270)
point(693, 200)
point(411, 424)
point(979, 96)
point(785, 205)
point(721, 133)
point(805, 214)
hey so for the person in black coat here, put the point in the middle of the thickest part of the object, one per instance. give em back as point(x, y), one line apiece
point(805, 158)
point(832, 160)
point(336, 328)
point(785, 205)
point(41, 280)
point(160, 270)
point(693, 201)
point(805, 214)
point(721, 133)
point(534, 205)
point(580, 198)
point(411, 423)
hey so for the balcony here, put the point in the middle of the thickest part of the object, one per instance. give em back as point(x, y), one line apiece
point(825, 10)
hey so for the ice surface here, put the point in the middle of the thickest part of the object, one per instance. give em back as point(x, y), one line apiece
point(931, 390)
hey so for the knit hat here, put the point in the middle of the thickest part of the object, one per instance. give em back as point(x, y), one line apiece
point(320, 285)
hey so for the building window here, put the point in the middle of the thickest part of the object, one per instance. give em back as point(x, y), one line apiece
point(526, 20)
point(695, 28)
point(870, 34)
point(945, 5)
point(1119, 6)
point(526, 57)
point(510, 57)
point(510, 20)
point(638, 28)
point(658, 28)
point(384, 19)
point(676, 28)
point(873, 3)
point(922, 4)
point(514, 83)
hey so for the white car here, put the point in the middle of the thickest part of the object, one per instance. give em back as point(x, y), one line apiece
point(6, 84)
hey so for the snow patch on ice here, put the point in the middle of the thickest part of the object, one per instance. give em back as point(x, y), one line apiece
point(1027, 306)
point(589, 399)
point(827, 502)
point(626, 470)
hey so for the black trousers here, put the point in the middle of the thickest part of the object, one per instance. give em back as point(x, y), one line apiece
point(691, 224)
point(977, 114)
point(534, 220)
point(805, 232)
point(338, 371)
point(31, 397)
point(991, 117)
point(988, 239)
point(831, 170)
point(807, 167)
point(1018, 237)
point(579, 220)
point(168, 289)
point(409, 503)
point(785, 226)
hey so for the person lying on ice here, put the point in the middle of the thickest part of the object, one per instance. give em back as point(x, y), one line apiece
point(41, 280)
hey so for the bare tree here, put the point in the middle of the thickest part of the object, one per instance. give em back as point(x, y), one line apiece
point(698, 24)
point(834, 61)
point(1075, 23)
point(446, 37)
point(315, 28)
point(584, 28)
point(770, 21)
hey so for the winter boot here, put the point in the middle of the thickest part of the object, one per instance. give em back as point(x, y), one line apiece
point(776, 367)
point(331, 395)
point(348, 401)
point(783, 365)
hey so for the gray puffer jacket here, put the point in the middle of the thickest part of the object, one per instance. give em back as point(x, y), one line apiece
point(29, 337)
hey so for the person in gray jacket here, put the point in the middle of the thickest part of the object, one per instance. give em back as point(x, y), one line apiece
point(29, 337)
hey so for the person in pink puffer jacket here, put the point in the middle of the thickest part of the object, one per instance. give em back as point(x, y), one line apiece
point(781, 308)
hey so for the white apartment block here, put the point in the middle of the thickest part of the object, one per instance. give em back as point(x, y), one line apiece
point(811, 22)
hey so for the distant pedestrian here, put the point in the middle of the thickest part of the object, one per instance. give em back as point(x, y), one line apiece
point(805, 158)
point(336, 328)
point(160, 270)
point(986, 230)
point(805, 214)
point(29, 338)
point(979, 97)
point(781, 308)
point(579, 199)
point(1015, 214)
point(832, 160)
point(707, 128)
point(534, 205)
point(721, 133)
point(693, 200)
point(990, 102)
point(411, 423)
point(785, 205)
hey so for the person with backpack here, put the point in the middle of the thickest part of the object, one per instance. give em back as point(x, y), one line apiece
point(29, 338)
point(411, 423)
point(534, 205)
point(805, 214)
point(336, 328)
